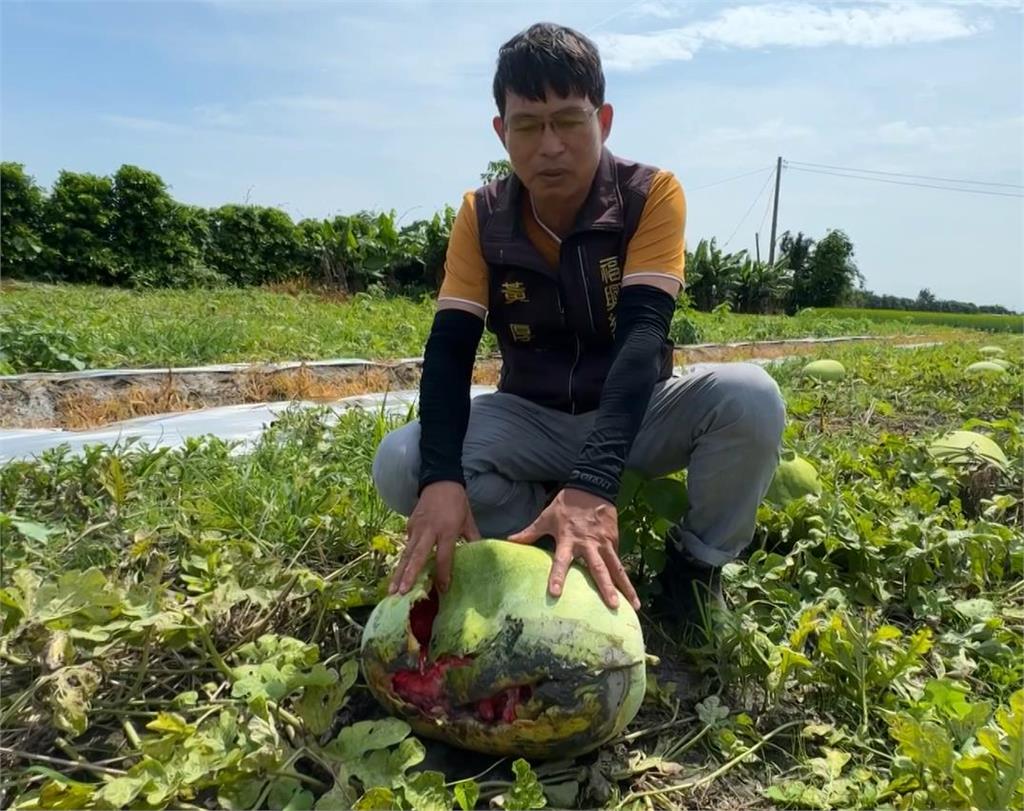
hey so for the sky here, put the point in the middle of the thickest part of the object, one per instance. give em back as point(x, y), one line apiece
point(333, 107)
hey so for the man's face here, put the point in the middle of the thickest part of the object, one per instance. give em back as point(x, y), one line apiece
point(554, 146)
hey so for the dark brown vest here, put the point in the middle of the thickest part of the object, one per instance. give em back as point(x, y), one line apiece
point(556, 328)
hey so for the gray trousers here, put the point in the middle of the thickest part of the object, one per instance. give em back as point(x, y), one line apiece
point(723, 423)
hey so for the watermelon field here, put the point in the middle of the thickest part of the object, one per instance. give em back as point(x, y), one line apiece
point(182, 626)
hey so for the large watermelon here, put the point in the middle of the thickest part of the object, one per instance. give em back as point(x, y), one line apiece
point(499, 666)
point(794, 478)
point(962, 447)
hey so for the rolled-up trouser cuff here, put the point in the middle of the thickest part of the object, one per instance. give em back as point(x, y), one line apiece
point(700, 551)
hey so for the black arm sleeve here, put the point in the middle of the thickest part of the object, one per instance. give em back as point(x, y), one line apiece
point(644, 314)
point(444, 394)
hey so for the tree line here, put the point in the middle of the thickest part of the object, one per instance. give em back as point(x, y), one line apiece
point(925, 301)
point(127, 230)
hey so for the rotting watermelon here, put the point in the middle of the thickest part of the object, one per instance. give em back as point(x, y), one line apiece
point(497, 665)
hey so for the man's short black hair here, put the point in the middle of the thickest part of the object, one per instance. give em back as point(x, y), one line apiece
point(548, 55)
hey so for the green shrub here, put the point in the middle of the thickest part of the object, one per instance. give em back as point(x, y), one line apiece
point(21, 215)
point(253, 245)
point(425, 244)
point(152, 233)
point(78, 217)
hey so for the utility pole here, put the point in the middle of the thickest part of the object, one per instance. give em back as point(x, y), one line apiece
point(757, 246)
point(775, 211)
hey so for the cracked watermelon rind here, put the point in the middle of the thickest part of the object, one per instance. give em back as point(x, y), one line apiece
point(575, 668)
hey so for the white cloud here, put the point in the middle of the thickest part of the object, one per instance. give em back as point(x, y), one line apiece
point(654, 8)
point(638, 51)
point(993, 4)
point(949, 138)
point(900, 133)
point(775, 131)
point(793, 25)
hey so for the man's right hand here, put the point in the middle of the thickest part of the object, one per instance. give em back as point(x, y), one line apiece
point(441, 516)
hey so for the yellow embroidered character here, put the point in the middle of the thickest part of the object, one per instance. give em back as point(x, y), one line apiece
point(520, 332)
point(611, 296)
point(610, 270)
point(513, 292)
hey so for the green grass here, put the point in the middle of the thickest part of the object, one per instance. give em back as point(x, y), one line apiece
point(102, 327)
point(977, 321)
point(63, 327)
point(871, 656)
point(693, 326)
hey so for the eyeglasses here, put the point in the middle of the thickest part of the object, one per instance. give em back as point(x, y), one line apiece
point(566, 123)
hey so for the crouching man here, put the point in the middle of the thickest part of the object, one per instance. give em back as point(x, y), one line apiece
point(575, 262)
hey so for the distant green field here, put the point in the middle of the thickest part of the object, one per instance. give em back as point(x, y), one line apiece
point(982, 321)
point(61, 327)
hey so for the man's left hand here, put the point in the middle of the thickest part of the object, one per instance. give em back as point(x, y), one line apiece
point(583, 526)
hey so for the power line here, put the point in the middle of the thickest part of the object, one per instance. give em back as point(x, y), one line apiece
point(614, 16)
point(907, 183)
point(904, 174)
point(751, 208)
point(767, 208)
point(728, 179)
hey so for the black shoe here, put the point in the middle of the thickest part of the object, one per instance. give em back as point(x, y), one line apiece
point(689, 592)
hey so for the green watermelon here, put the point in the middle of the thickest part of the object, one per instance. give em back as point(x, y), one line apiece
point(990, 351)
point(825, 370)
point(961, 447)
point(985, 367)
point(499, 666)
point(794, 478)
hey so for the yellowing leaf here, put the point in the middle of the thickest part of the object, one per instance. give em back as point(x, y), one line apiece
point(376, 799)
point(60, 651)
point(172, 724)
point(925, 743)
point(71, 697)
point(831, 766)
point(887, 632)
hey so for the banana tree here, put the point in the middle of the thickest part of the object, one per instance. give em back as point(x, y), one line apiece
point(711, 275)
point(760, 287)
point(327, 250)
